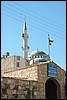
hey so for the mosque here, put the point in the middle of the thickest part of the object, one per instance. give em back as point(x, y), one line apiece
point(32, 76)
point(34, 57)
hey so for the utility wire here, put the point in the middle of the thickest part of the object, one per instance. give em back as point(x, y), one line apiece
point(34, 17)
point(28, 24)
point(11, 17)
point(23, 15)
point(33, 26)
point(21, 22)
point(29, 21)
point(37, 13)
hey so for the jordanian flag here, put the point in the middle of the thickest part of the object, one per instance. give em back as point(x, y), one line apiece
point(49, 40)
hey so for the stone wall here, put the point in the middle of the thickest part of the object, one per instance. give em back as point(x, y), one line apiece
point(7, 64)
point(29, 73)
point(10, 63)
point(18, 89)
point(43, 77)
point(36, 75)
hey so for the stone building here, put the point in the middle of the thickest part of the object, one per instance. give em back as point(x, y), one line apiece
point(33, 76)
point(11, 63)
point(16, 62)
point(45, 80)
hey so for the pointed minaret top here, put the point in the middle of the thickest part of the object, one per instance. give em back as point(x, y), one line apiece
point(25, 28)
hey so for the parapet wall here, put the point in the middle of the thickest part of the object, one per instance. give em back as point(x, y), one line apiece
point(29, 73)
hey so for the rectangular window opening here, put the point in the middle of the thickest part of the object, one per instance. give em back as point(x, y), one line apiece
point(18, 64)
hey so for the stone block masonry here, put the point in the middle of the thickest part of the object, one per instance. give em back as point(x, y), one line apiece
point(18, 89)
point(29, 73)
point(31, 82)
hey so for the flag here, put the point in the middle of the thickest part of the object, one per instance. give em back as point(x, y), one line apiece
point(50, 41)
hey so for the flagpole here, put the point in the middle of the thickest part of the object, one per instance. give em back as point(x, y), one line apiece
point(49, 46)
point(49, 52)
point(49, 43)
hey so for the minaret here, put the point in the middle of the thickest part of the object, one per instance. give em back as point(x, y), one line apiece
point(25, 41)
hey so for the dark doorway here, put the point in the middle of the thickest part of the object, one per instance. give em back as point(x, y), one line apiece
point(51, 89)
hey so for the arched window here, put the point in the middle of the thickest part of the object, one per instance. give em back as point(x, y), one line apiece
point(38, 56)
point(41, 56)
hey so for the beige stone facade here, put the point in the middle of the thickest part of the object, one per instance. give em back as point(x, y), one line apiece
point(38, 73)
point(28, 73)
point(10, 63)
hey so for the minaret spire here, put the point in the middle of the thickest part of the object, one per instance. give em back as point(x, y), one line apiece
point(25, 41)
point(25, 27)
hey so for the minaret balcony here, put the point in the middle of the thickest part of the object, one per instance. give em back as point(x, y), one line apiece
point(25, 36)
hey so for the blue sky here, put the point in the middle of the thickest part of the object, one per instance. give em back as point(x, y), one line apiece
point(42, 18)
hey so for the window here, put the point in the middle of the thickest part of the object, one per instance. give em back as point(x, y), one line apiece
point(18, 57)
point(18, 64)
point(41, 56)
point(38, 56)
point(35, 56)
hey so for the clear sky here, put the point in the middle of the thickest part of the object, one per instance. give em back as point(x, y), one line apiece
point(42, 18)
